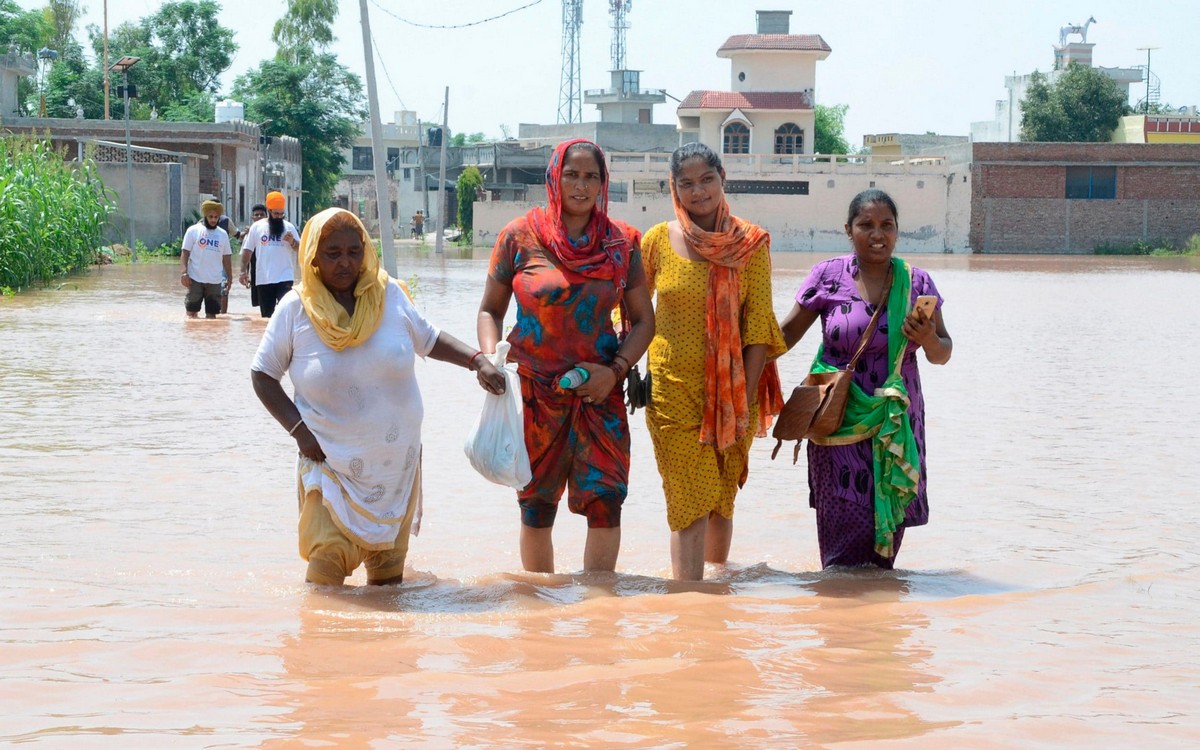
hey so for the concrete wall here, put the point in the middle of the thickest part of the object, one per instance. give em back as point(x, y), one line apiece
point(612, 136)
point(1019, 204)
point(934, 204)
point(772, 70)
point(164, 203)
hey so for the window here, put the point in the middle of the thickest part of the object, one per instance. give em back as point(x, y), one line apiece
point(789, 139)
point(1092, 182)
point(362, 158)
point(737, 139)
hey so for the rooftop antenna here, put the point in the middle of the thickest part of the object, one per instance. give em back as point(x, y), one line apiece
point(620, 24)
point(570, 95)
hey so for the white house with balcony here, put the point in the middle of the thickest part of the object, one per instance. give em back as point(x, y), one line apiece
point(771, 107)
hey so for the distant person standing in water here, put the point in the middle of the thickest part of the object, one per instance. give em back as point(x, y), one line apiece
point(866, 481)
point(258, 213)
point(418, 225)
point(273, 242)
point(205, 262)
point(232, 230)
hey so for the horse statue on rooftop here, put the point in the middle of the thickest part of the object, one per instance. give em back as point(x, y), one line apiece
point(1069, 29)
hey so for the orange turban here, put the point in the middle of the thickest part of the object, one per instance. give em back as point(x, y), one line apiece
point(276, 201)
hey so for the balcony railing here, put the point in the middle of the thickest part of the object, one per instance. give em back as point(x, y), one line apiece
point(627, 93)
point(779, 164)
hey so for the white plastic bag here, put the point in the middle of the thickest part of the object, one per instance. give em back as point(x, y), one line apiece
point(496, 444)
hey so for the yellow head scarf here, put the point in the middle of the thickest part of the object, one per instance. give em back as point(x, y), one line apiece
point(333, 324)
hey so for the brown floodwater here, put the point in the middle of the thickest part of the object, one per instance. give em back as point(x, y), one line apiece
point(153, 596)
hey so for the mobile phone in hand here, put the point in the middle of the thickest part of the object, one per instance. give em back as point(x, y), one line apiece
point(926, 303)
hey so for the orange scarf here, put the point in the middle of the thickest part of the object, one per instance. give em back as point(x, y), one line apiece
point(727, 250)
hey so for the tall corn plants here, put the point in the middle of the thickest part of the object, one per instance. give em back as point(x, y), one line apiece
point(52, 212)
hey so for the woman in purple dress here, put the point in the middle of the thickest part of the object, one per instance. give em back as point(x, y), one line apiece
point(867, 480)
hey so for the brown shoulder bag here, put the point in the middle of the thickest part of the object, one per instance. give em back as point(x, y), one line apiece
point(817, 406)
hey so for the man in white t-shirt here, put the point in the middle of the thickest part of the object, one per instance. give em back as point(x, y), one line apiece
point(206, 262)
point(271, 244)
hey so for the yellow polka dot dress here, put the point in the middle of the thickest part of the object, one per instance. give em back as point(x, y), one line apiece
point(694, 482)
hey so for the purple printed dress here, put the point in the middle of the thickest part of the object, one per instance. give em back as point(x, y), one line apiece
point(840, 478)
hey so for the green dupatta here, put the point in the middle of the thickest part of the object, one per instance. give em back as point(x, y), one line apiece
point(883, 417)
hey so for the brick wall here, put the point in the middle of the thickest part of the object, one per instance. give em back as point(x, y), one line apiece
point(1018, 202)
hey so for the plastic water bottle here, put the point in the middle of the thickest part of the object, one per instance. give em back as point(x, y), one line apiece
point(573, 378)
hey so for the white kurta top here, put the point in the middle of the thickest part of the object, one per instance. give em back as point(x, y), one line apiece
point(364, 407)
point(273, 258)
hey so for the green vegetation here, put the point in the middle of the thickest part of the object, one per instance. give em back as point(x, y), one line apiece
point(830, 130)
point(52, 213)
point(1082, 106)
point(183, 53)
point(319, 102)
point(465, 139)
point(469, 182)
point(1159, 248)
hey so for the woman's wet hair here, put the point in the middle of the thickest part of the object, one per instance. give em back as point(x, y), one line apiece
point(866, 198)
point(694, 151)
point(592, 149)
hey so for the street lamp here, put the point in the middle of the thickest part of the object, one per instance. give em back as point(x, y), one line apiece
point(122, 66)
point(45, 56)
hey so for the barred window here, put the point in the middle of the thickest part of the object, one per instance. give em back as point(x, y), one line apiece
point(737, 138)
point(789, 139)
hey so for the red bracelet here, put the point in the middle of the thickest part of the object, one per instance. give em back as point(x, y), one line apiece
point(471, 361)
point(617, 369)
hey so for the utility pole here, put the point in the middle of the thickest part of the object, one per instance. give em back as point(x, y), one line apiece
point(421, 169)
point(441, 223)
point(105, 59)
point(383, 199)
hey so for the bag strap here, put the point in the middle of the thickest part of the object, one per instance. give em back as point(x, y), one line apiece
point(870, 329)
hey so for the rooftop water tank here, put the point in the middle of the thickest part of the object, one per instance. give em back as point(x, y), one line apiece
point(230, 111)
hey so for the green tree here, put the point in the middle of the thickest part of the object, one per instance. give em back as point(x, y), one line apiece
point(23, 32)
point(830, 127)
point(61, 17)
point(71, 79)
point(305, 30)
point(469, 183)
point(321, 103)
point(184, 51)
point(1082, 106)
point(463, 139)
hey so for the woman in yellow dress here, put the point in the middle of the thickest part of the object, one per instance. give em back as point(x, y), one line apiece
point(715, 330)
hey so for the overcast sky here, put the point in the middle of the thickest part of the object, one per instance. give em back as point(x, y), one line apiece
point(907, 66)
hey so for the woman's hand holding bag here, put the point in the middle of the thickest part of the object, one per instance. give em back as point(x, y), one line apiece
point(496, 444)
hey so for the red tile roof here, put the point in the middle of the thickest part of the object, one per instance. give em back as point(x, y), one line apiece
point(747, 100)
point(801, 42)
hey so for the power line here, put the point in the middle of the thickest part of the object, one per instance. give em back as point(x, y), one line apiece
point(455, 25)
point(386, 74)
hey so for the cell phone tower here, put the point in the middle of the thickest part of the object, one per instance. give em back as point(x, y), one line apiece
point(570, 93)
point(620, 24)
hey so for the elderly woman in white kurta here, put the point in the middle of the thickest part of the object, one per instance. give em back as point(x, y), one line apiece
point(348, 336)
